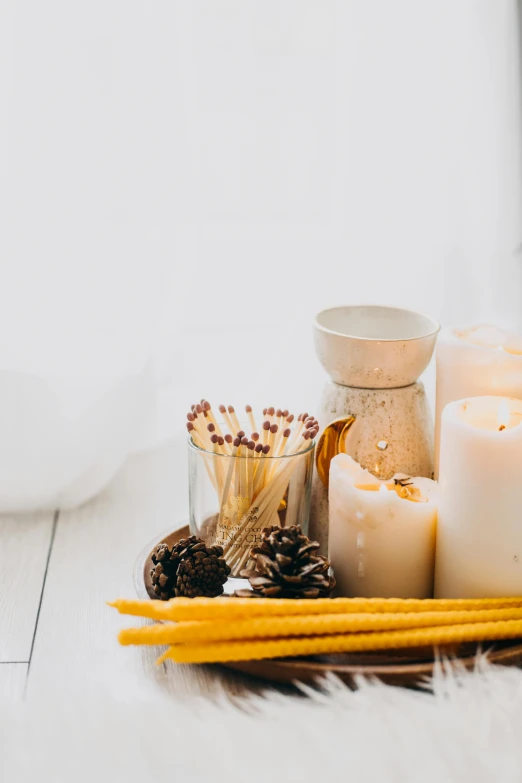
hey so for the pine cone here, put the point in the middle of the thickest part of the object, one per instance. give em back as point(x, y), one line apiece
point(203, 571)
point(170, 579)
point(163, 575)
point(288, 566)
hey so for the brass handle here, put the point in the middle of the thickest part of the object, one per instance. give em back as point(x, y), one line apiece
point(332, 442)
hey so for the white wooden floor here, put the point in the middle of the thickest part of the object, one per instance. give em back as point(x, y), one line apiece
point(58, 569)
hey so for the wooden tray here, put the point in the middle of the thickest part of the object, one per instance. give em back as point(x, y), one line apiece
point(400, 667)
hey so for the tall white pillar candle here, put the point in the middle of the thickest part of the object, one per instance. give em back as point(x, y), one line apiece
point(480, 360)
point(479, 530)
point(382, 533)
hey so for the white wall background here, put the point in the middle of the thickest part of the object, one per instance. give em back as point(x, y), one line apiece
point(184, 184)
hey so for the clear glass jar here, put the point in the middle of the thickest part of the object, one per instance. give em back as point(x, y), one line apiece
point(232, 498)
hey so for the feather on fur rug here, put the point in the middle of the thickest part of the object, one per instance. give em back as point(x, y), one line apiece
point(467, 728)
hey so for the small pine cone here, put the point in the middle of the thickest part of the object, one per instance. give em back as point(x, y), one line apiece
point(166, 562)
point(163, 573)
point(202, 572)
point(287, 565)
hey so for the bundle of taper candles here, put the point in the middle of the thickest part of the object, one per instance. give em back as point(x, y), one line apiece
point(203, 630)
point(251, 484)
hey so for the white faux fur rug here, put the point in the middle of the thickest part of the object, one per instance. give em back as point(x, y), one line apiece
point(469, 729)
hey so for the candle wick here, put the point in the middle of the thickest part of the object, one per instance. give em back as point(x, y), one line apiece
point(403, 482)
point(502, 427)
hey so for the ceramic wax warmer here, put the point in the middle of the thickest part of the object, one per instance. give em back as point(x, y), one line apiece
point(373, 407)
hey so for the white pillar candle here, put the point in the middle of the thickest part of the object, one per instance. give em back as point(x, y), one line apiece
point(382, 534)
point(479, 538)
point(480, 360)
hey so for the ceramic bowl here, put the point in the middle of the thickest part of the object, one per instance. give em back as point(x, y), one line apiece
point(373, 347)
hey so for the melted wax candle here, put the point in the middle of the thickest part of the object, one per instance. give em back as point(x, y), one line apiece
point(382, 533)
point(480, 360)
point(479, 537)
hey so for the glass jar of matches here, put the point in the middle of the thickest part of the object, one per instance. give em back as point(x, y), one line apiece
point(239, 484)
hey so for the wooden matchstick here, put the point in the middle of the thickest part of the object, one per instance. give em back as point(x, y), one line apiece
point(250, 469)
point(234, 418)
point(251, 418)
point(243, 480)
point(228, 440)
point(201, 430)
point(199, 410)
point(208, 410)
point(240, 454)
point(265, 432)
point(280, 448)
point(228, 479)
point(297, 432)
point(218, 464)
point(258, 451)
point(228, 420)
point(282, 441)
point(194, 434)
point(261, 469)
point(199, 443)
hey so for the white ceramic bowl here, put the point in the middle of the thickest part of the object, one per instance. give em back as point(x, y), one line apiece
point(373, 347)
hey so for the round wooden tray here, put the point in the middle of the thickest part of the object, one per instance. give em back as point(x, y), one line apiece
point(401, 667)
